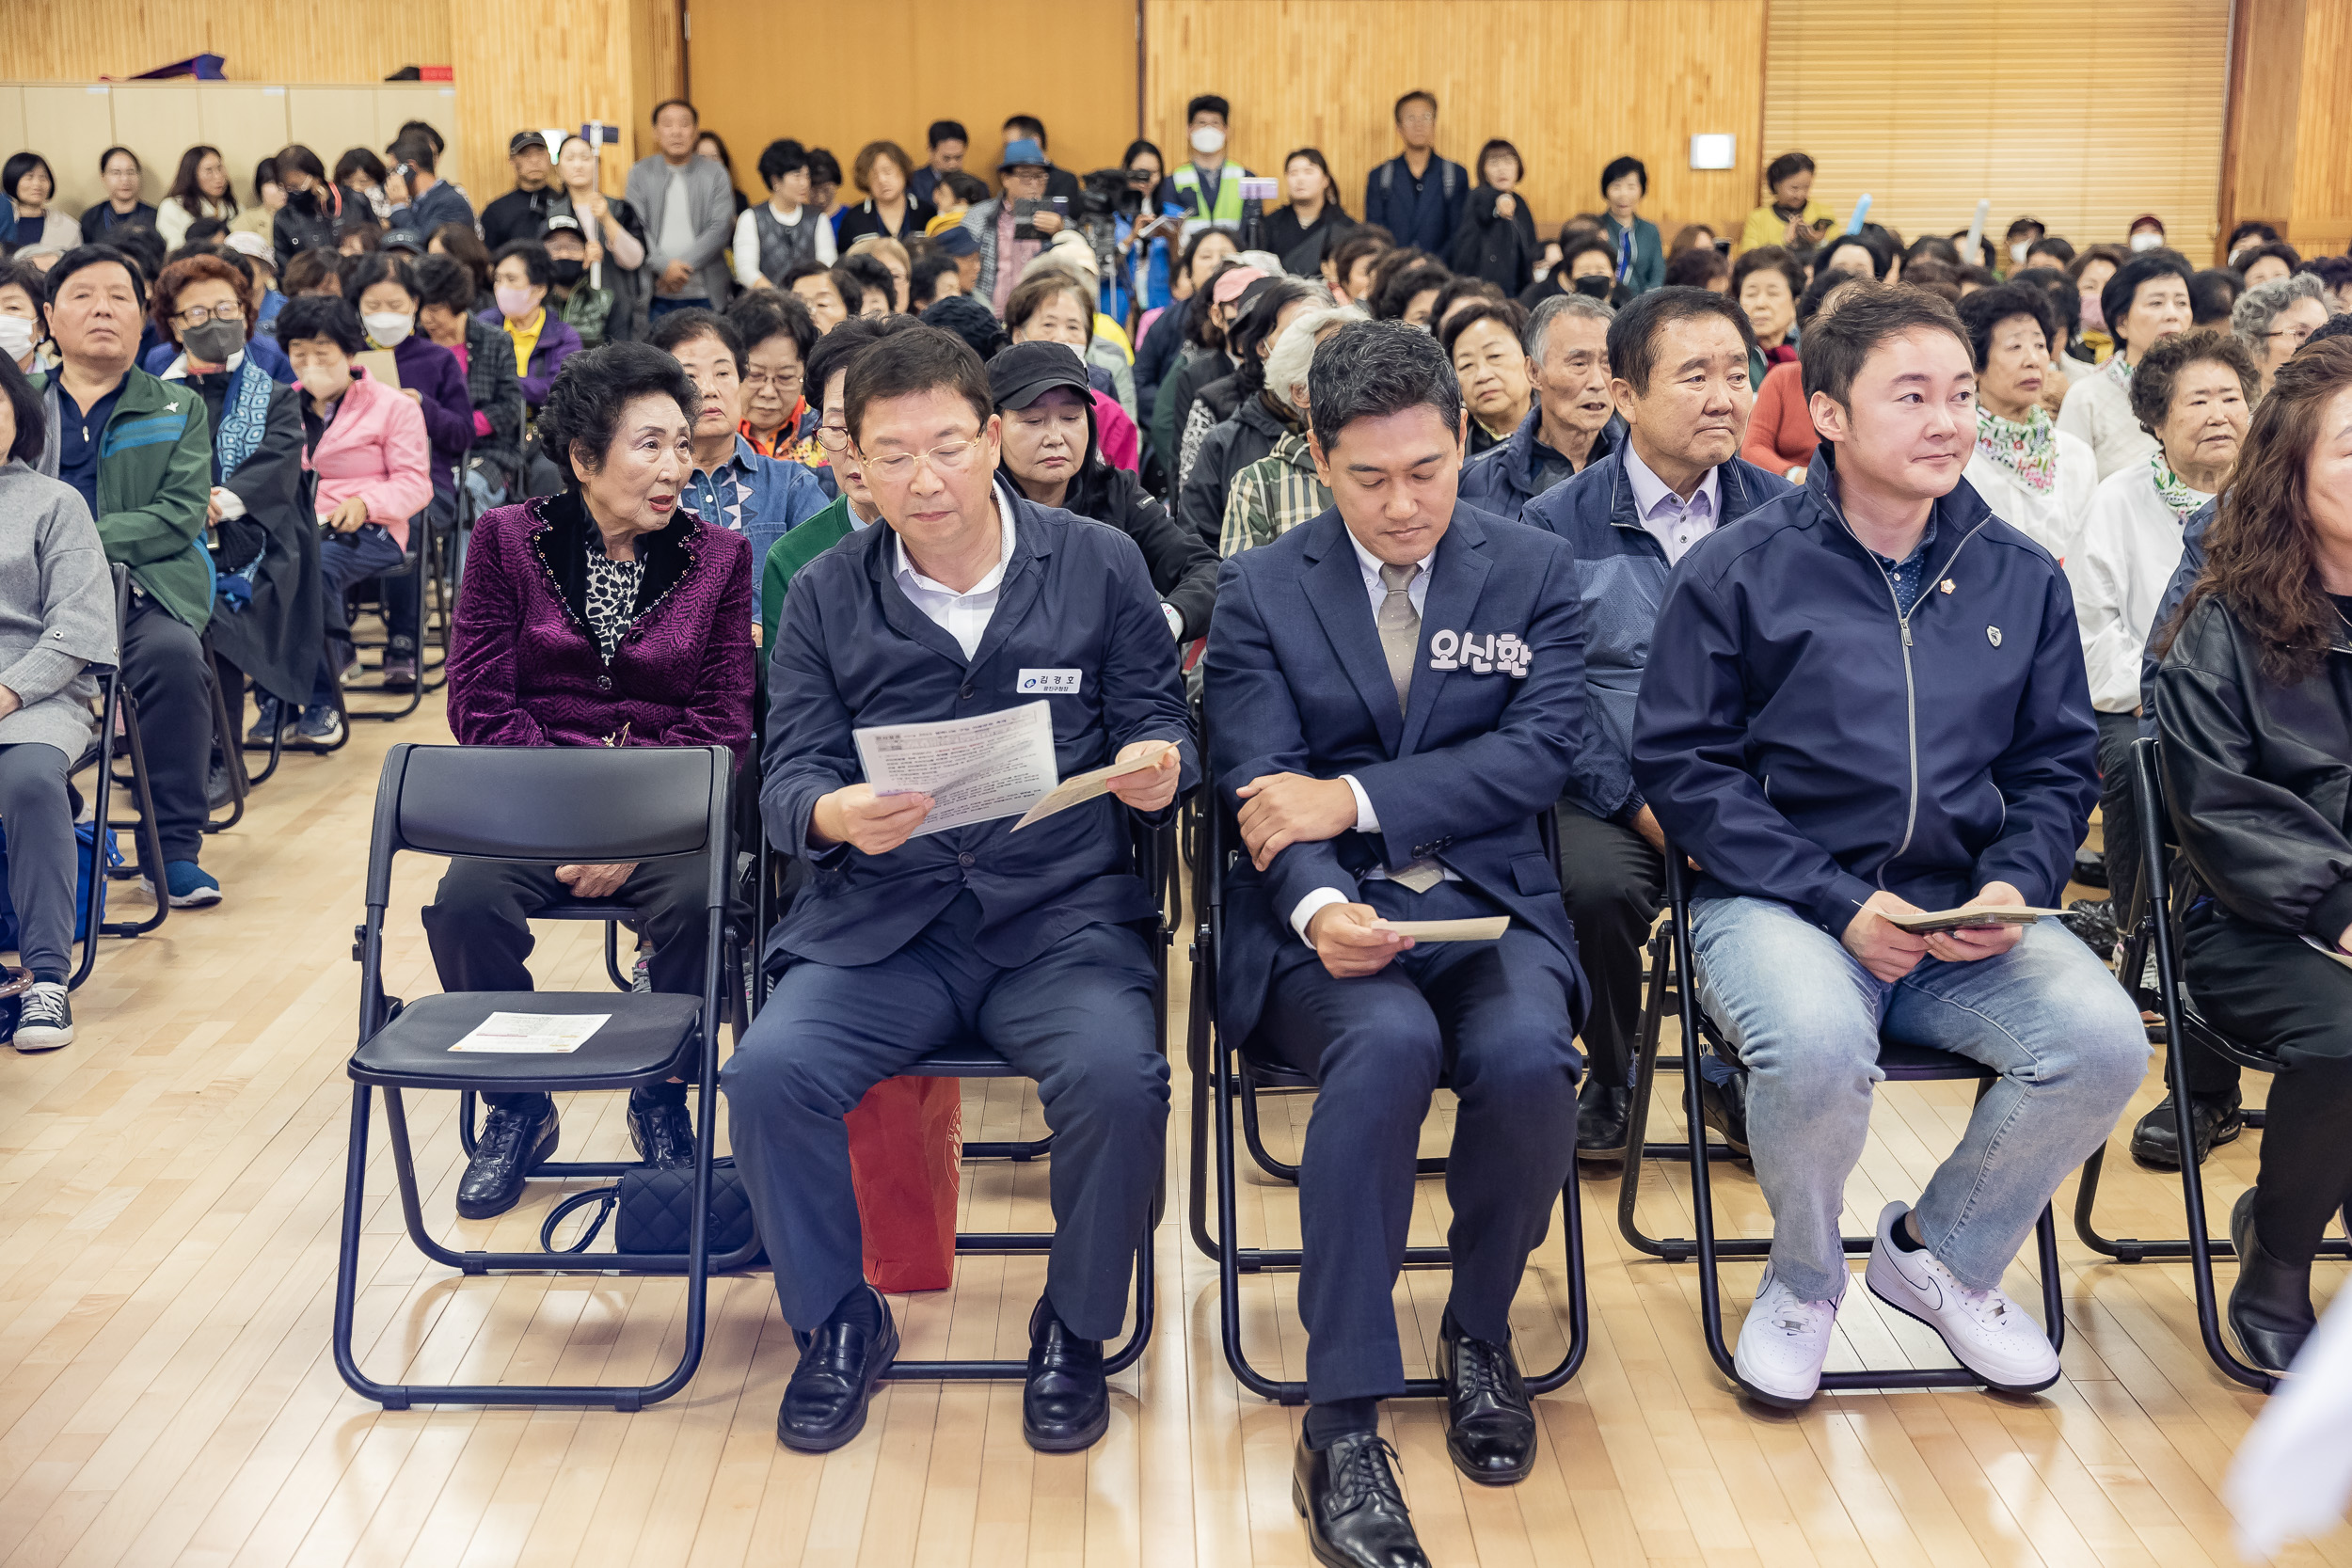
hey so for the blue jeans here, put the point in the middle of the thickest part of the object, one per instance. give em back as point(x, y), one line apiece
point(1807, 1017)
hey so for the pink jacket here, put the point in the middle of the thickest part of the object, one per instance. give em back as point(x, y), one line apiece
point(375, 447)
point(1114, 433)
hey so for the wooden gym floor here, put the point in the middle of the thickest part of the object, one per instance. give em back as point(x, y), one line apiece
point(171, 1188)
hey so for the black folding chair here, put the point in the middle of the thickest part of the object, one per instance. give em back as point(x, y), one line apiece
point(554, 806)
point(2159, 904)
point(230, 745)
point(414, 568)
point(1661, 992)
point(2152, 897)
point(1223, 1072)
point(1901, 1064)
point(119, 710)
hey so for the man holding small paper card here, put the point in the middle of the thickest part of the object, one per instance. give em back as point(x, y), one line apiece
point(1865, 701)
point(1039, 630)
point(1396, 691)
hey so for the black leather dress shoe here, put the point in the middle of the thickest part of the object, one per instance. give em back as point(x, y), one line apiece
point(1724, 1108)
point(514, 1143)
point(1066, 1403)
point(2212, 1119)
point(662, 1132)
point(2270, 1306)
point(1355, 1515)
point(1602, 1114)
point(1489, 1426)
point(824, 1403)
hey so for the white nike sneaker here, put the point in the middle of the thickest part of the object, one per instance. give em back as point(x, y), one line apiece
point(1782, 1344)
point(1993, 1335)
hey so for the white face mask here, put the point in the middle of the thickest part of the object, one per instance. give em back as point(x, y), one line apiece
point(1207, 138)
point(2147, 239)
point(390, 328)
point(514, 304)
point(16, 337)
point(2017, 252)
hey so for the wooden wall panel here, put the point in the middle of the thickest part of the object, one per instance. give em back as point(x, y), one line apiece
point(1552, 76)
point(260, 39)
point(247, 122)
point(1071, 63)
point(71, 124)
point(1929, 108)
point(2322, 217)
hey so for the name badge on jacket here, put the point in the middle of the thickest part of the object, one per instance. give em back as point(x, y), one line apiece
point(1480, 654)
point(1048, 683)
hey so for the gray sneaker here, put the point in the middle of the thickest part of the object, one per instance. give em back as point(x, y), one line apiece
point(45, 1018)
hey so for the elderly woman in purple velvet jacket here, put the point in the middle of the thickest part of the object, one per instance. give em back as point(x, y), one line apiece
point(607, 615)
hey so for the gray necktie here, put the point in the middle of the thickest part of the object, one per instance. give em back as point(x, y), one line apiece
point(1400, 639)
point(1400, 627)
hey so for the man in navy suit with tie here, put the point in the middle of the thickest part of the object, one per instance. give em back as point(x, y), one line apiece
point(971, 601)
point(1395, 694)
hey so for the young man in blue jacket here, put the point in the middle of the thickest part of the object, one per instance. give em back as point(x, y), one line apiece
point(907, 938)
point(1679, 364)
point(1865, 698)
point(1394, 691)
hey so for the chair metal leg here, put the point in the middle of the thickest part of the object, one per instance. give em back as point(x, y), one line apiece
point(231, 754)
point(1018, 1152)
point(276, 747)
point(695, 1263)
point(979, 1370)
point(2133, 1249)
point(1647, 1064)
point(145, 836)
point(1234, 1260)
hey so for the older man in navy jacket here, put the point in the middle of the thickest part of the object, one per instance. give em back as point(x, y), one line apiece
point(971, 601)
point(1395, 693)
point(1573, 423)
point(1865, 699)
point(1679, 359)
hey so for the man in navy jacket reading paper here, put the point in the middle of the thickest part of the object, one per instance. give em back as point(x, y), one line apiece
point(1394, 695)
point(1865, 700)
point(970, 602)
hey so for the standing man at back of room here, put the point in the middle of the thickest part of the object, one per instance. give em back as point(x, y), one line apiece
point(1418, 195)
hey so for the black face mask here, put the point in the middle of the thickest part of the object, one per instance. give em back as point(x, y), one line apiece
point(568, 272)
point(1593, 286)
point(213, 342)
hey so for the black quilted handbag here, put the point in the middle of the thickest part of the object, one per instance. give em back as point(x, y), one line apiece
point(655, 1209)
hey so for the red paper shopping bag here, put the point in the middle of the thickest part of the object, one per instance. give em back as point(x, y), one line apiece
point(906, 1154)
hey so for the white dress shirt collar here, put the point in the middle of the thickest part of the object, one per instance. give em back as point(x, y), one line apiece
point(964, 616)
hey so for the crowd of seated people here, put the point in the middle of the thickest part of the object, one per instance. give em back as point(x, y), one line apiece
point(1716, 494)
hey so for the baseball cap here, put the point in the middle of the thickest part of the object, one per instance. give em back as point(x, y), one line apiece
point(1026, 372)
point(563, 220)
point(523, 141)
point(394, 239)
point(957, 242)
point(1231, 282)
point(255, 245)
point(1022, 151)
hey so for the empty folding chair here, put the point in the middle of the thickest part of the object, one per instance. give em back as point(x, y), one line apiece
point(556, 806)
